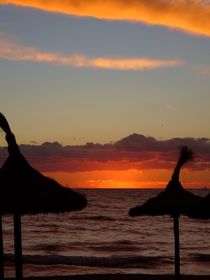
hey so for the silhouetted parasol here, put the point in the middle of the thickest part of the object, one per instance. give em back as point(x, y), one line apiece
point(23, 190)
point(173, 201)
point(206, 210)
point(202, 210)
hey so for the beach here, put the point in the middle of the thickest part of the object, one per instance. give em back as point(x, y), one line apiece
point(119, 277)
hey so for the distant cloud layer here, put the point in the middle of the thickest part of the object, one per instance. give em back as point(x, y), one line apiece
point(190, 16)
point(13, 51)
point(133, 152)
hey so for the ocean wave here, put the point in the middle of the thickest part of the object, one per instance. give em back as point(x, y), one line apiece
point(95, 218)
point(203, 257)
point(115, 246)
point(105, 262)
point(121, 246)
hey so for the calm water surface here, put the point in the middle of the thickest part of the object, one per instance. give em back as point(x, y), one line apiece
point(104, 239)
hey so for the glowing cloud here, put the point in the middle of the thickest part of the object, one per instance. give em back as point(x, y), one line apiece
point(135, 152)
point(191, 16)
point(134, 161)
point(13, 51)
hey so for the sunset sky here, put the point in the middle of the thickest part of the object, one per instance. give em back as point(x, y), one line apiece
point(103, 93)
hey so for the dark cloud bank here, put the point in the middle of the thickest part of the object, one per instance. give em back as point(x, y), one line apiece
point(135, 151)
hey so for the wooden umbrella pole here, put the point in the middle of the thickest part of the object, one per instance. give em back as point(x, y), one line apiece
point(176, 239)
point(1, 251)
point(18, 247)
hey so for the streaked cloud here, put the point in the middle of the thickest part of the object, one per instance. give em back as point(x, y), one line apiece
point(13, 51)
point(190, 16)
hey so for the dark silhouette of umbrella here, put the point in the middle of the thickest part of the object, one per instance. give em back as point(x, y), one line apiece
point(206, 210)
point(202, 209)
point(23, 190)
point(173, 201)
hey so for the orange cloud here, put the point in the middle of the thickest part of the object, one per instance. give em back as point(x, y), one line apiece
point(191, 16)
point(13, 51)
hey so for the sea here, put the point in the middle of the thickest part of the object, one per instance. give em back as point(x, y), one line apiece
point(102, 238)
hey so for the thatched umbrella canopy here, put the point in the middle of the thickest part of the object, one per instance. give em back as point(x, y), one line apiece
point(23, 190)
point(173, 201)
point(202, 211)
point(206, 211)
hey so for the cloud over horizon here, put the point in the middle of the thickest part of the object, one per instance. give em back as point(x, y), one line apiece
point(136, 152)
point(189, 16)
point(14, 51)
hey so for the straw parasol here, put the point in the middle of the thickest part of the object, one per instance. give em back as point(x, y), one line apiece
point(173, 201)
point(23, 190)
point(207, 207)
point(202, 211)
